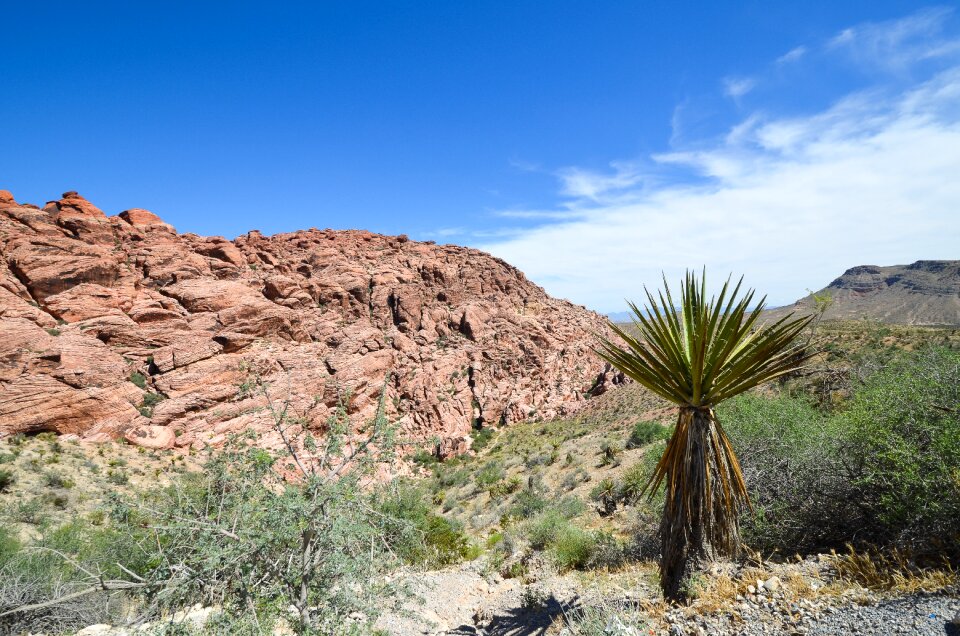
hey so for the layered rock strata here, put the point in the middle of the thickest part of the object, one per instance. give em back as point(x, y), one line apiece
point(118, 326)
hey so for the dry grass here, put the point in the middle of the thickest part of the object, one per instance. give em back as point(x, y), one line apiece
point(892, 571)
point(57, 481)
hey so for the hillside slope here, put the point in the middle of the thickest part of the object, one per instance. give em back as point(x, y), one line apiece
point(120, 326)
point(924, 293)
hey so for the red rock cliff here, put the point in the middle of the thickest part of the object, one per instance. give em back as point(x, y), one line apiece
point(88, 302)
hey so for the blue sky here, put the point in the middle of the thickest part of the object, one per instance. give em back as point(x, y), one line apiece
point(592, 144)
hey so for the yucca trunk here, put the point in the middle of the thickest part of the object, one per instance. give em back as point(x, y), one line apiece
point(704, 493)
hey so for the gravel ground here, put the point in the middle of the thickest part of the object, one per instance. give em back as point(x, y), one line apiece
point(916, 614)
point(919, 614)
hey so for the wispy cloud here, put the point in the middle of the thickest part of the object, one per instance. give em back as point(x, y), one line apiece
point(589, 184)
point(736, 87)
point(789, 201)
point(897, 45)
point(793, 55)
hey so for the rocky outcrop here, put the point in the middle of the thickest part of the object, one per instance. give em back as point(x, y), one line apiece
point(118, 326)
point(923, 293)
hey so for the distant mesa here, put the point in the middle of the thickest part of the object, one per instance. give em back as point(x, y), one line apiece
point(922, 293)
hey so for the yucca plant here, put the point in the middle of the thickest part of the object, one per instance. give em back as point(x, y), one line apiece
point(697, 355)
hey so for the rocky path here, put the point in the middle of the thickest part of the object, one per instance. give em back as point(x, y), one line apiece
point(467, 600)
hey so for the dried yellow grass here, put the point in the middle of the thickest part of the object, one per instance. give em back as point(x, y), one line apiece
point(892, 571)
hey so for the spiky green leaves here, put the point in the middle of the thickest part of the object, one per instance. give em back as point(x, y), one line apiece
point(705, 351)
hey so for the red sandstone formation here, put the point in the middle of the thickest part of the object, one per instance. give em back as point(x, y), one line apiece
point(92, 305)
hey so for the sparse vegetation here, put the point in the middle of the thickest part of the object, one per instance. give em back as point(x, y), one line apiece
point(873, 465)
point(6, 479)
point(139, 379)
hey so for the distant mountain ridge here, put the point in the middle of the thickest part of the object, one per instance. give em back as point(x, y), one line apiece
point(922, 293)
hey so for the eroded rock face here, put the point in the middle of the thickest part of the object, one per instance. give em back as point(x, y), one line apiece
point(117, 326)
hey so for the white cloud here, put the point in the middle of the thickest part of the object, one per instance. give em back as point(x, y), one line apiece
point(588, 184)
point(896, 45)
point(737, 87)
point(793, 55)
point(790, 202)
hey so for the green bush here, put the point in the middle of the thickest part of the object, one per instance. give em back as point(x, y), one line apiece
point(7, 479)
point(9, 545)
point(901, 439)
point(505, 487)
point(118, 477)
point(526, 504)
point(42, 573)
point(882, 469)
point(415, 533)
point(56, 480)
point(489, 474)
point(150, 400)
point(645, 431)
point(543, 529)
point(139, 379)
point(572, 548)
point(423, 457)
point(481, 438)
point(28, 511)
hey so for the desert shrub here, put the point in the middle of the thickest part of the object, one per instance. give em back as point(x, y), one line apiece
point(414, 532)
point(424, 457)
point(150, 400)
point(572, 547)
point(255, 533)
point(505, 487)
point(605, 493)
point(489, 474)
point(7, 458)
point(7, 479)
point(540, 459)
point(526, 504)
point(574, 478)
point(882, 469)
point(604, 618)
point(9, 545)
point(481, 438)
point(609, 454)
point(543, 529)
point(57, 500)
point(901, 440)
point(53, 567)
point(56, 480)
point(569, 507)
point(788, 451)
point(609, 552)
point(632, 482)
point(118, 477)
point(645, 431)
point(28, 511)
point(450, 474)
point(138, 379)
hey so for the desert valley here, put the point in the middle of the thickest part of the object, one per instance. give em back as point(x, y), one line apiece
point(510, 489)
